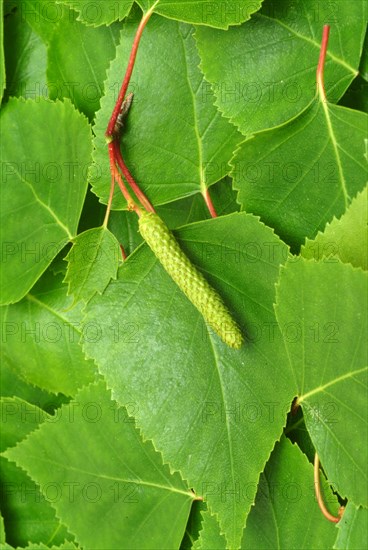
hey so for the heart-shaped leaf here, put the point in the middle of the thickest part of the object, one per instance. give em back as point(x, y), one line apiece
point(202, 403)
point(297, 177)
point(173, 151)
point(96, 451)
point(93, 261)
point(263, 73)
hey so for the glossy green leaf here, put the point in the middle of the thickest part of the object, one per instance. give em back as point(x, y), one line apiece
point(112, 474)
point(25, 55)
point(263, 73)
point(93, 261)
point(40, 338)
point(346, 238)
point(45, 155)
point(202, 403)
point(204, 12)
point(28, 517)
point(286, 514)
point(99, 12)
point(78, 71)
point(175, 142)
point(352, 529)
point(321, 309)
point(297, 177)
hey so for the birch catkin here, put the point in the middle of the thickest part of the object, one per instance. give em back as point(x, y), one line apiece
point(165, 247)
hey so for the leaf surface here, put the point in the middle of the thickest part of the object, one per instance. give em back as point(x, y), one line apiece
point(202, 403)
point(297, 177)
point(286, 514)
point(93, 261)
point(263, 72)
point(174, 141)
point(26, 59)
point(28, 517)
point(45, 159)
point(99, 12)
point(346, 238)
point(352, 528)
point(204, 12)
point(40, 338)
point(321, 309)
point(112, 474)
point(79, 70)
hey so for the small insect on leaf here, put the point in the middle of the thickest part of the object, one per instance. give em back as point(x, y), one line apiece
point(165, 247)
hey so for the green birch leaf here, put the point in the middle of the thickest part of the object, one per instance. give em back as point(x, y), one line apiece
point(45, 157)
point(40, 338)
point(286, 514)
point(204, 12)
point(113, 474)
point(175, 142)
point(99, 12)
point(28, 517)
point(78, 71)
point(210, 537)
point(26, 59)
point(2, 58)
point(213, 436)
point(321, 309)
point(263, 73)
point(346, 238)
point(93, 261)
point(352, 529)
point(297, 177)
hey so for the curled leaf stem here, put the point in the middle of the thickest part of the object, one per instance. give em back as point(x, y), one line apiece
point(321, 504)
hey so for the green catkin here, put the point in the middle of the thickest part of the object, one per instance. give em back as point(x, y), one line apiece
point(166, 249)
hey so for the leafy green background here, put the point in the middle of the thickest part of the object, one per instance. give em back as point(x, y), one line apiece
point(126, 422)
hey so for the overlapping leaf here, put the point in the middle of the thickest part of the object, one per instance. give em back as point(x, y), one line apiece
point(2, 61)
point(321, 309)
point(93, 261)
point(346, 238)
point(112, 473)
point(100, 12)
point(297, 177)
point(285, 513)
point(200, 12)
point(78, 71)
point(40, 338)
point(353, 528)
point(263, 73)
point(25, 55)
point(175, 142)
point(205, 12)
point(45, 159)
point(203, 404)
point(28, 517)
